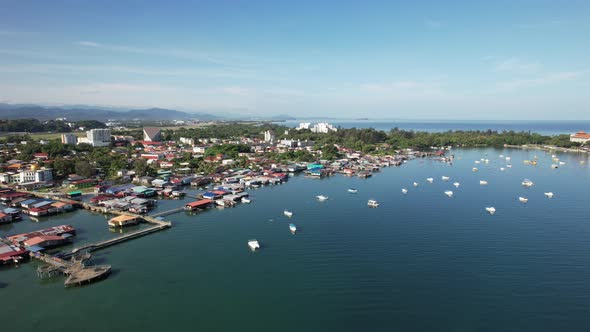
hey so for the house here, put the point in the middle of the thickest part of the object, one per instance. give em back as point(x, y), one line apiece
point(580, 137)
point(5, 218)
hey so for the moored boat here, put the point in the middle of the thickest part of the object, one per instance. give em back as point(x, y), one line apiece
point(415, 184)
point(352, 190)
point(322, 197)
point(253, 244)
point(549, 194)
point(372, 203)
point(430, 180)
point(456, 184)
point(491, 209)
point(483, 182)
point(523, 199)
point(404, 191)
point(445, 178)
point(292, 228)
point(246, 200)
point(449, 193)
point(288, 213)
point(527, 183)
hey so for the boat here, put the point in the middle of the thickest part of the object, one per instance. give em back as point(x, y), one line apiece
point(561, 163)
point(292, 228)
point(523, 200)
point(554, 166)
point(415, 184)
point(288, 213)
point(445, 178)
point(253, 244)
point(483, 182)
point(404, 190)
point(430, 180)
point(502, 169)
point(352, 190)
point(507, 158)
point(449, 193)
point(321, 197)
point(456, 184)
point(372, 203)
point(527, 183)
point(549, 194)
point(509, 165)
point(477, 161)
point(491, 209)
point(246, 200)
point(501, 156)
point(475, 169)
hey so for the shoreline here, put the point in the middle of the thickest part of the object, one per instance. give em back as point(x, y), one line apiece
point(547, 148)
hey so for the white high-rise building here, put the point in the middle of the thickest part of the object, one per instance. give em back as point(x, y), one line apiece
point(323, 127)
point(99, 137)
point(38, 175)
point(269, 136)
point(69, 139)
point(303, 125)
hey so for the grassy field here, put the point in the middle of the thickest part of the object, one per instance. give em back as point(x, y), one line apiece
point(50, 136)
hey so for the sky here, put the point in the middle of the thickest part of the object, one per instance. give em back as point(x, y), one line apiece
point(446, 60)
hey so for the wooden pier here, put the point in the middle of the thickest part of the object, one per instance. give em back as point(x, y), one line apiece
point(77, 272)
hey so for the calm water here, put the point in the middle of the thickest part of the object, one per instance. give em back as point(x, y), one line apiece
point(419, 262)
point(541, 127)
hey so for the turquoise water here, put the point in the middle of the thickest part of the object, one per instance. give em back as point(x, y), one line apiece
point(419, 262)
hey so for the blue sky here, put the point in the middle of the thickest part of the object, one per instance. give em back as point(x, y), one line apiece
point(380, 59)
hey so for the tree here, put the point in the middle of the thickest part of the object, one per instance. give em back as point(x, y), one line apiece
point(83, 168)
point(142, 168)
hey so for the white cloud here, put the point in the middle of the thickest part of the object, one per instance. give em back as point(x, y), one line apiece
point(88, 43)
point(516, 65)
point(549, 78)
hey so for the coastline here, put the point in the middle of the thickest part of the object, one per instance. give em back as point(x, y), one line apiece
point(547, 148)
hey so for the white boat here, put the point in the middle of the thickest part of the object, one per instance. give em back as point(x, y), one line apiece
point(430, 180)
point(456, 184)
point(292, 228)
point(288, 213)
point(483, 182)
point(246, 200)
point(445, 178)
point(501, 156)
point(561, 163)
point(475, 169)
point(449, 193)
point(523, 200)
point(487, 161)
point(253, 244)
point(527, 183)
point(477, 161)
point(502, 169)
point(322, 197)
point(372, 203)
point(553, 156)
point(507, 158)
point(509, 166)
point(404, 191)
point(415, 184)
point(352, 190)
point(549, 194)
point(554, 166)
point(491, 209)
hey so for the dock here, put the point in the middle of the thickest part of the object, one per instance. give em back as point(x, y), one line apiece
point(77, 272)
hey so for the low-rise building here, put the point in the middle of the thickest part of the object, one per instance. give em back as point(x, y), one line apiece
point(580, 137)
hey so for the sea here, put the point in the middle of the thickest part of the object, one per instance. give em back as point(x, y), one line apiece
point(550, 128)
point(420, 261)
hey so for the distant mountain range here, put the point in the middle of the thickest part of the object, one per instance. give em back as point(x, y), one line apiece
point(82, 112)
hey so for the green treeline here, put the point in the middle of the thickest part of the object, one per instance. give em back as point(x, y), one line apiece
point(36, 126)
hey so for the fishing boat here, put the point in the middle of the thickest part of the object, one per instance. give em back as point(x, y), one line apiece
point(352, 190)
point(483, 182)
point(246, 200)
point(322, 197)
point(253, 244)
point(404, 191)
point(445, 178)
point(372, 203)
point(491, 209)
point(292, 228)
point(449, 193)
point(523, 200)
point(456, 184)
point(288, 213)
point(430, 180)
point(549, 194)
point(527, 183)
point(415, 184)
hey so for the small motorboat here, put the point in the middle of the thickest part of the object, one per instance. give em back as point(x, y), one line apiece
point(288, 213)
point(253, 244)
point(292, 228)
point(430, 180)
point(491, 209)
point(502, 169)
point(501, 156)
point(404, 191)
point(477, 161)
point(415, 184)
point(561, 163)
point(523, 199)
point(509, 166)
point(372, 203)
point(549, 194)
point(507, 158)
point(483, 182)
point(475, 169)
point(456, 184)
point(352, 190)
point(445, 178)
point(527, 183)
point(246, 200)
point(449, 193)
point(554, 166)
point(322, 197)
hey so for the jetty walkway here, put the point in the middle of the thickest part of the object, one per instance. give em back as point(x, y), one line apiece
point(75, 269)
